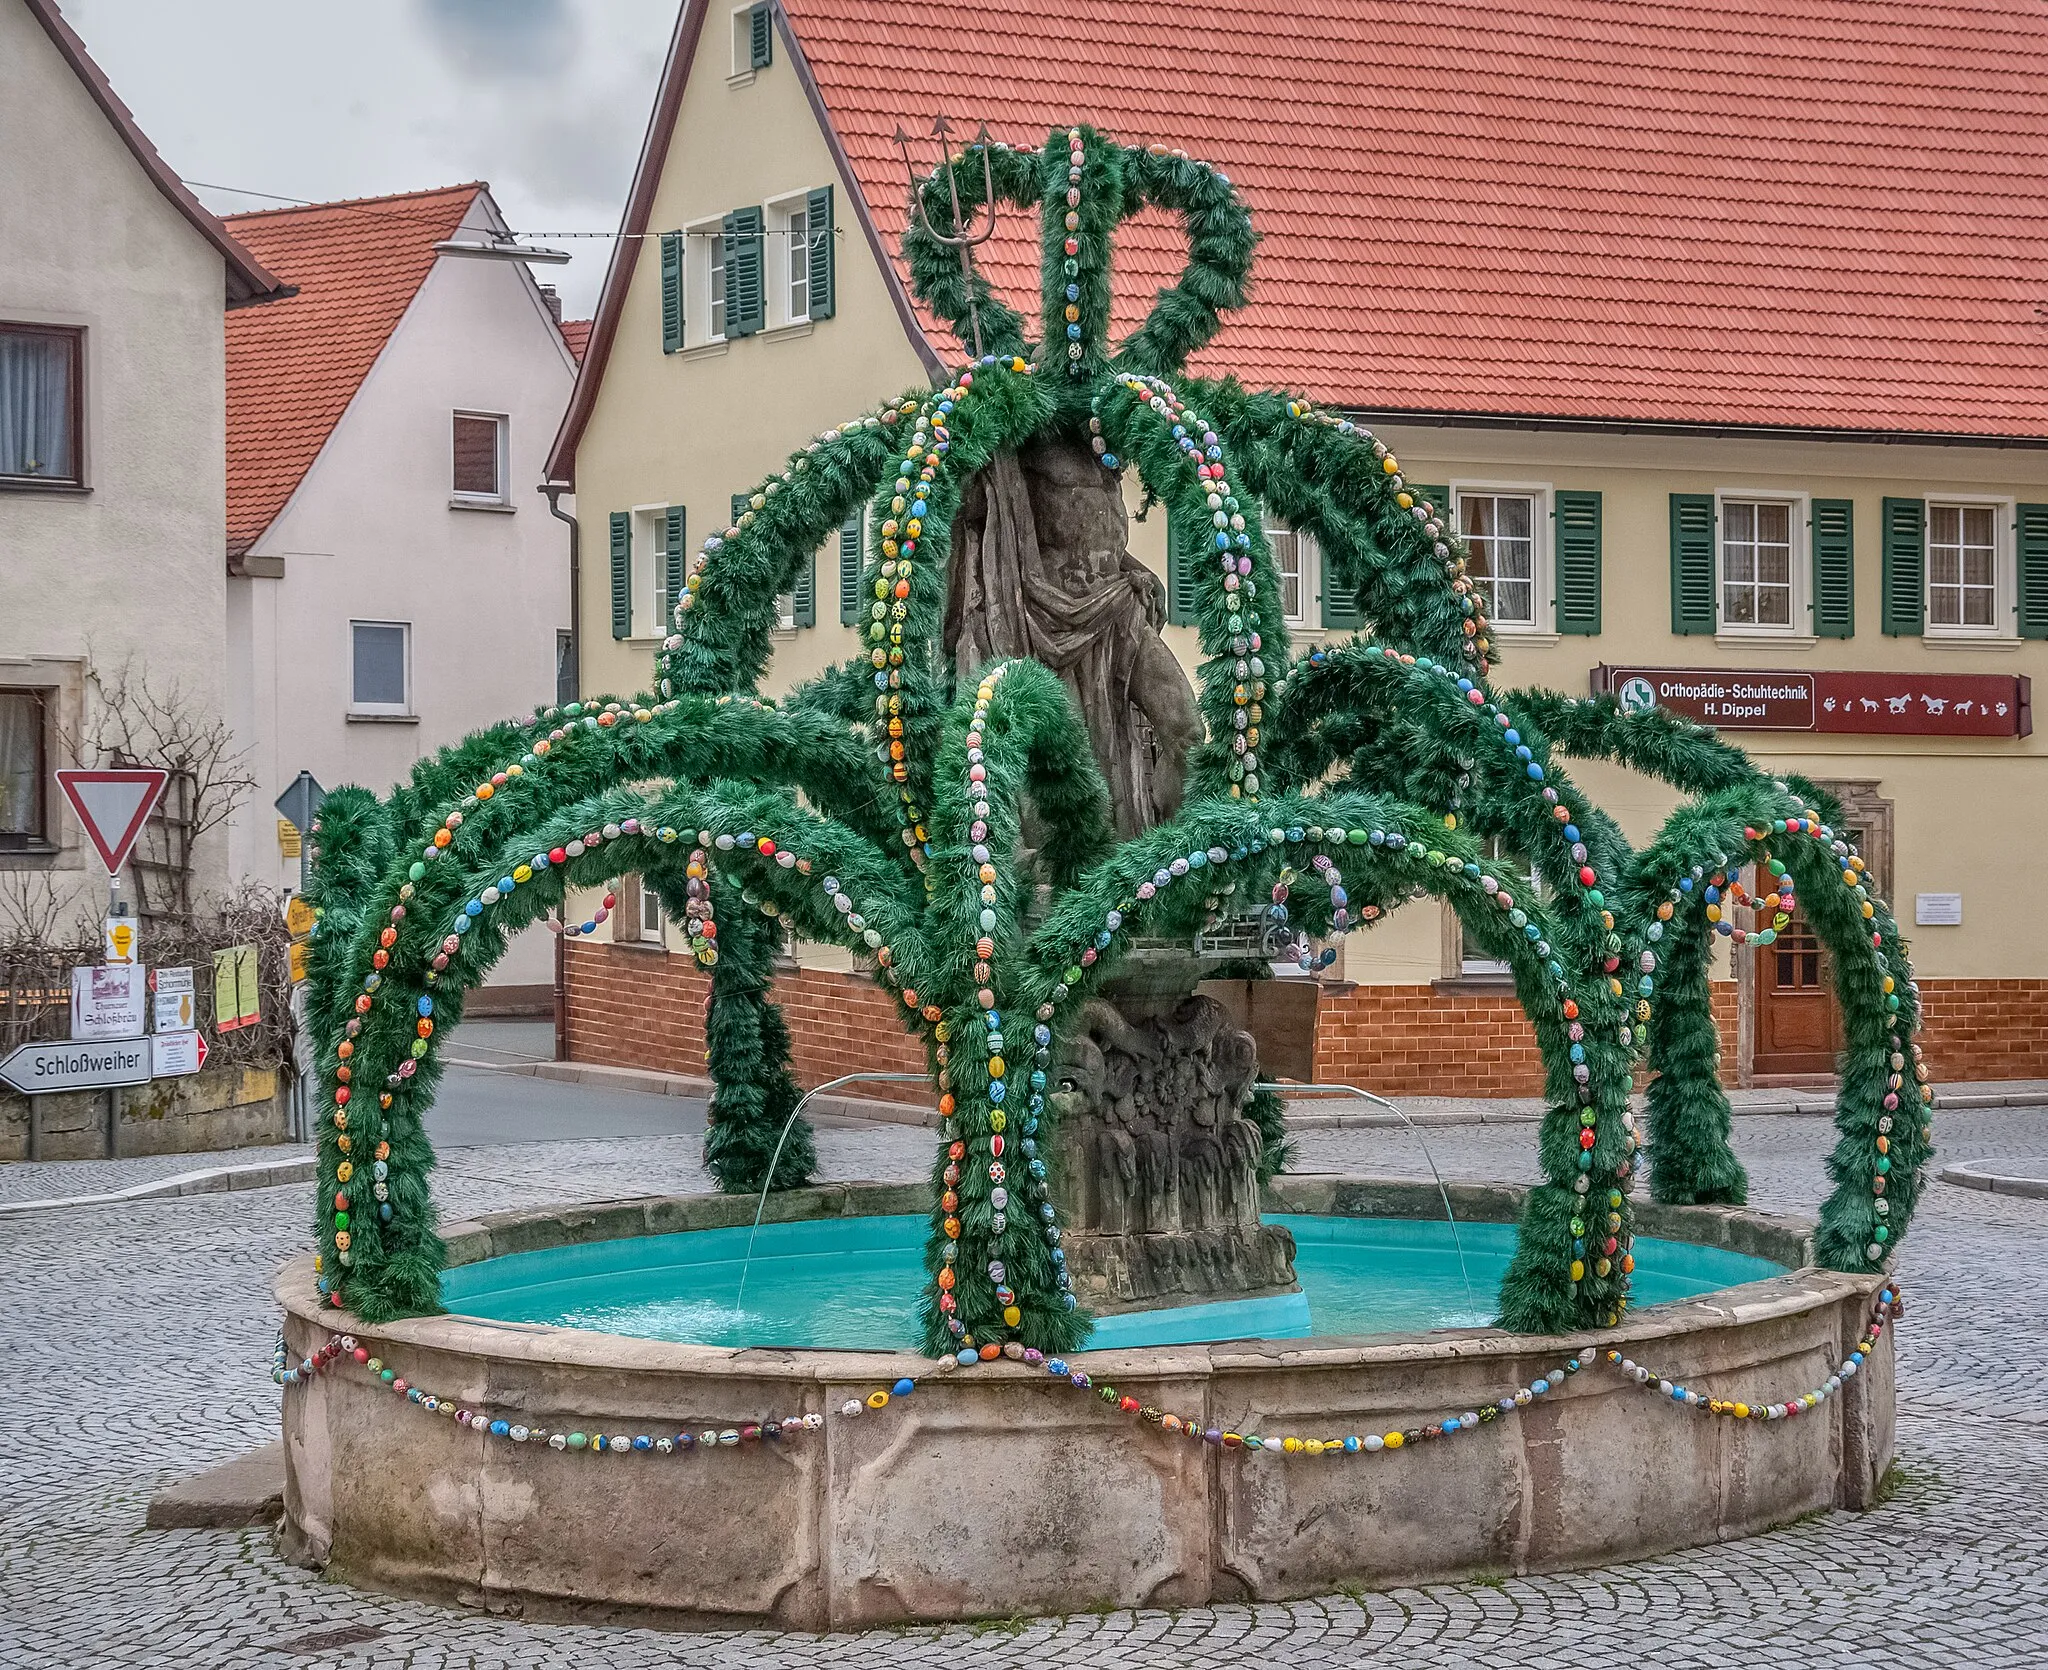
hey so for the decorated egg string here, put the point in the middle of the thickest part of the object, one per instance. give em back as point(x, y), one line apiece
point(1447, 543)
point(1883, 1308)
point(1231, 541)
point(344, 1348)
point(1076, 156)
point(991, 1146)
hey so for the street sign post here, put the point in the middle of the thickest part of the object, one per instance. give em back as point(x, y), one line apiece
point(175, 1054)
point(299, 805)
point(46, 1069)
point(112, 806)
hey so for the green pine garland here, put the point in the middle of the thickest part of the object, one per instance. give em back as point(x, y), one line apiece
point(879, 808)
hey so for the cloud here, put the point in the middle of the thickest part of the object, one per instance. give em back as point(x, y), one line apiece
point(517, 39)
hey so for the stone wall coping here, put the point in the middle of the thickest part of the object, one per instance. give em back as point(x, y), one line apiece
point(1797, 1292)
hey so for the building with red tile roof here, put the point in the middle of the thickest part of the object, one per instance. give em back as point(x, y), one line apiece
point(396, 582)
point(1719, 329)
point(576, 332)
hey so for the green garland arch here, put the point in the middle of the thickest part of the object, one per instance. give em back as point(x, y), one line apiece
point(879, 807)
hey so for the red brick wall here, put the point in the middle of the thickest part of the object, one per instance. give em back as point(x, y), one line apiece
point(635, 1008)
point(630, 1007)
point(1985, 1029)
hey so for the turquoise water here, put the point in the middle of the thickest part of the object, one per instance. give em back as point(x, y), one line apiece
point(853, 1283)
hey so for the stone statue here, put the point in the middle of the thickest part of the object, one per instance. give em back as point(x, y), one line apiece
point(1041, 568)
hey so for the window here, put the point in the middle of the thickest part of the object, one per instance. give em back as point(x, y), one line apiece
point(24, 769)
point(797, 264)
point(381, 667)
point(1962, 568)
point(1758, 585)
point(1503, 533)
point(479, 457)
point(706, 261)
point(1294, 558)
point(40, 383)
point(753, 40)
point(650, 912)
point(1502, 857)
point(565, 667)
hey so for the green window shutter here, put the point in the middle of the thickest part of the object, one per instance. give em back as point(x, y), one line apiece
point(1180, 582)
point(1440, 497)
point(1904, 582)
point(622, 574)
point(849, 570)
point(1340, 602)
point(804, 592)
point(1834, 568)
point(746, 291)
point(2032, 543)
point(818, 229)
point(760, 38)
point(671, 292)
point(1692, 564)
point(671, 566)
point(1578, 563)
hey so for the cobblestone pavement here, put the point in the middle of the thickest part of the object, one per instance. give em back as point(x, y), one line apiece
point(134, 1343)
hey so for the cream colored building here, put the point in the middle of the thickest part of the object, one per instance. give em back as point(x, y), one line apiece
point(1684, 500)
point(113, 289)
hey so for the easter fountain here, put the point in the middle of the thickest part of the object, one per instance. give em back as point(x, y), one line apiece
point(942, 1419)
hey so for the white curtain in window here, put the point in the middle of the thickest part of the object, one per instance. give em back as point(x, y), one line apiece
point(21, 718)
point(35, 405)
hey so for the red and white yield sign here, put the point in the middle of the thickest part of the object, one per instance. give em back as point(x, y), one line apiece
point(113, 805)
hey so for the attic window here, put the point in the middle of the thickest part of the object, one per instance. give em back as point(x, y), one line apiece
point(753, 40)
point(479, 472)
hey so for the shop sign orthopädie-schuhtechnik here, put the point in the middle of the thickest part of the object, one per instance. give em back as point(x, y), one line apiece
point(1873, 704)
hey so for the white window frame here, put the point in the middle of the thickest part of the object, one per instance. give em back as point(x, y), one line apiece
point(1800, 517)
point(1310, 619)
point(649, 526)
point(380, 710)
point(2004, 569)
point(781, 215)
point(1542, 608)
point(1484, 967)
point(704, 282)
point(457, 498)
point(650, 906)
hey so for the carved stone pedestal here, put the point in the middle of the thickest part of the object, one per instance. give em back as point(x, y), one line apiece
point(1158, 1169)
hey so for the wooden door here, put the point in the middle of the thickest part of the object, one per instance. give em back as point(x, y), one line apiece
point(1798, 1027)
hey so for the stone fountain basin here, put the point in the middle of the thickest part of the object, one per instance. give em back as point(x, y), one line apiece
point(997, 1491)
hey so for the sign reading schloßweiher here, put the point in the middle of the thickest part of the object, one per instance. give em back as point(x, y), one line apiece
point(45, 1069)
point(1870, 704)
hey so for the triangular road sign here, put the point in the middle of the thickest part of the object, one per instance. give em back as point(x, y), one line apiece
point(113, 805)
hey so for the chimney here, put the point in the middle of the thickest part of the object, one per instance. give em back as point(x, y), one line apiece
point(553, 297)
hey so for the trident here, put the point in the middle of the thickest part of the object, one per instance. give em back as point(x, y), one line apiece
point(960, 238)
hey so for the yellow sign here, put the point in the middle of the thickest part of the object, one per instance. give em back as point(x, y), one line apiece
point(287, 838)
point(121, 939)
point(298, 917)
point(298, 964)
point(237, 998)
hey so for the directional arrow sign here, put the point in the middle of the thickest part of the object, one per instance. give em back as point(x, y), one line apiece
point(113, 805)
point(44, 1069)
point(173, 1054)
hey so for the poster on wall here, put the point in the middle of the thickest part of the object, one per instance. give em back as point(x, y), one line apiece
point(108, 1002)
point(237, 999)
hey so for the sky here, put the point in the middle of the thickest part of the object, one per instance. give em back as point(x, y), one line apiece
point(545, 99)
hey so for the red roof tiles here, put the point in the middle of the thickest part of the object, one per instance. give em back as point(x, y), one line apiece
point(576, 333)
point(294, 365)
point(1803, 213)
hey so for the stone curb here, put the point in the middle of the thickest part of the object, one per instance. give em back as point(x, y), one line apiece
point(218, 1180)
point(643, 1081)
point(1991, 1182)
point(248, 1490)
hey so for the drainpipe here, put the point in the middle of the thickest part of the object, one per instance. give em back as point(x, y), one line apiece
point(554, 491)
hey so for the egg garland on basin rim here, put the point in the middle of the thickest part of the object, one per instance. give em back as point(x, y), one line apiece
point(879, 807)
